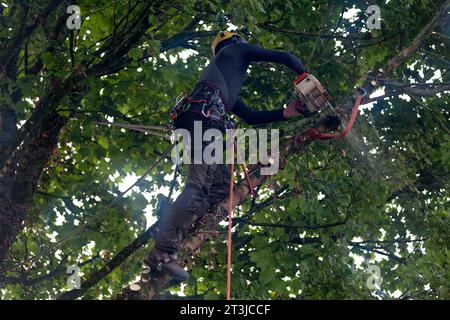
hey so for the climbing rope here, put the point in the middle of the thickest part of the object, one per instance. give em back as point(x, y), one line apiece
point(230, 218)
point(137, 127)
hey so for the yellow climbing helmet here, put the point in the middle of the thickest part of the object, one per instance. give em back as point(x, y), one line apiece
point(222, 36)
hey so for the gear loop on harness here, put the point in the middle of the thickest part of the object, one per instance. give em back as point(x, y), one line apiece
point(206, 115)
point(205, 99)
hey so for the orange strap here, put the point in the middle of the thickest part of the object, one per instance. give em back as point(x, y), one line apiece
point(230, 217)
point(249, 181)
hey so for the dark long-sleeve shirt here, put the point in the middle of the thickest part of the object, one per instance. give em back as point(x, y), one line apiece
point(228, 70)
point(252, 116)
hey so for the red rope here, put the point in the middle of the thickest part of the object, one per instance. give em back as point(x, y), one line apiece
point(230, 217)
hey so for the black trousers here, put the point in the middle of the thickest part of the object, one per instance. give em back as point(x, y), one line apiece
point(206, 185)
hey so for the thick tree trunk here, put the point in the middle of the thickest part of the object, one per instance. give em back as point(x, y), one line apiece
point(20, 177)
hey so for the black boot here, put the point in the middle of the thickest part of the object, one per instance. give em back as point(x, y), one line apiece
point(164, 257)
point(168, 263)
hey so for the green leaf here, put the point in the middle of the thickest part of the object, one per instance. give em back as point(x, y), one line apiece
point(103, 141)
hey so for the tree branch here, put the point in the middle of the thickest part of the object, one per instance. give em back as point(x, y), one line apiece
point(289, 226)
point(409, 51)
point(14, 45)
point(118, 259)
point(333, 35)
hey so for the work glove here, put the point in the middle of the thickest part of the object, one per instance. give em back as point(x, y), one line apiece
point(296, 108)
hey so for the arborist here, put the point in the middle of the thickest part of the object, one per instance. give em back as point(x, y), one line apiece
point(213, 98)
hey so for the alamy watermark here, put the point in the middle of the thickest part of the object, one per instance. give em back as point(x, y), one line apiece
point(74, 280)
point(374, 280)
point(212, 146)
point(374, 20)
point(74, 20)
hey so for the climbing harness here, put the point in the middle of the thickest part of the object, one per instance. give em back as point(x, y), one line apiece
point(181, 105)
point(206, 100)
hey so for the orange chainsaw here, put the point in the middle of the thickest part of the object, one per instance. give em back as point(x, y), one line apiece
point(311, 93)
point(315, 98)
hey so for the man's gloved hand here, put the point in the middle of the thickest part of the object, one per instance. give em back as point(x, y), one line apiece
point(296, 108)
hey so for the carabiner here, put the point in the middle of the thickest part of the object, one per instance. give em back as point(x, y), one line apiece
point(180, 97)
point(186, 106)
point(203, 111)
